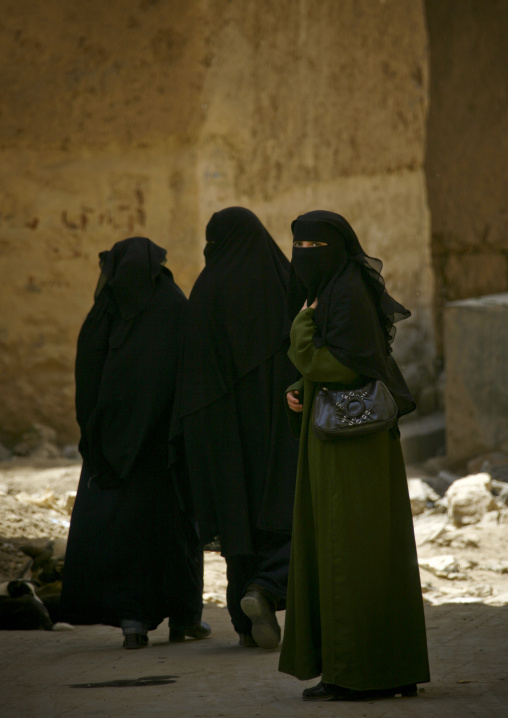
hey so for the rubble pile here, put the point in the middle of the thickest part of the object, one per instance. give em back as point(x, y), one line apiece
point(461, 531)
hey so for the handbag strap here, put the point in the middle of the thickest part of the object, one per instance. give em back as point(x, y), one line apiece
point(341, 386)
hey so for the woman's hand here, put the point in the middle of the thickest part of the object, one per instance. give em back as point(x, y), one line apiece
point(312, 306)
point(293, 401)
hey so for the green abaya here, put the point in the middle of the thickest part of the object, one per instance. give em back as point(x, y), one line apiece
point(354, 608)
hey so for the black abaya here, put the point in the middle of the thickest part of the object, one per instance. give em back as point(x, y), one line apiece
point(132, 552)
point(241, 456)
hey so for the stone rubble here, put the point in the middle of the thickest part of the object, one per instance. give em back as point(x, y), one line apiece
point(469, 517)
point(470, 498)
point(421, 495)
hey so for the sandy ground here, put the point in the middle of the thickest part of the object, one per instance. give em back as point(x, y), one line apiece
point(467, 623)
point(217, 678)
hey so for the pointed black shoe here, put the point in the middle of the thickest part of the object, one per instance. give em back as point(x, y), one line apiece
point(199, 631)
point(329, 692)
point(135, 640)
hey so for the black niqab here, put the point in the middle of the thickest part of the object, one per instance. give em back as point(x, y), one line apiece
point(130, 270)
point(131, 267)
point(316, 269)
point(355, 315)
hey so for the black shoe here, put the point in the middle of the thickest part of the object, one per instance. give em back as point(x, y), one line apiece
point(321, 692)
point(331, 692)
point(260, 610)
point(135, 640)
point(198, 631)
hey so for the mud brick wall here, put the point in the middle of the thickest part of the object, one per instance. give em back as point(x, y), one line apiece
point(144, 117)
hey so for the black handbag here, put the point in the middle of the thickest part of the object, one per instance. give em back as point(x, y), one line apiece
point(343, 413)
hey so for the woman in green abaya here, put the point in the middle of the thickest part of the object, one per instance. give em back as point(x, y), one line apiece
point(354, 607)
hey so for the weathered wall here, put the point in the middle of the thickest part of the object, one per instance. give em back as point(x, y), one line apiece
point(101, 108)
point(476, 395)
point(144, 117)
point(467, 148)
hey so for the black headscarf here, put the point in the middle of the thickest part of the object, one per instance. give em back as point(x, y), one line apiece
point(126, 360)
point(130, 269)
point(235, 321)
point(355, 315)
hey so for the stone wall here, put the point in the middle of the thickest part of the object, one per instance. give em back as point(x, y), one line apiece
point(476, 395)
point(144, 117)
point(467, 148)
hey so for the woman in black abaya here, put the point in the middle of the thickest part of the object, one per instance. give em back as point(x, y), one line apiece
point(132, 556)
point(240, 455)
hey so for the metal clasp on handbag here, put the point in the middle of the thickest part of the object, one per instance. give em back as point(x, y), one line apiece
point(343, 411)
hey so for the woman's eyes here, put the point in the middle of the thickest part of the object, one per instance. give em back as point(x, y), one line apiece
point(309, 244)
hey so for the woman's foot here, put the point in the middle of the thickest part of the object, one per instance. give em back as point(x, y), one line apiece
point(135, 640)
point(198, 631)
point(134, 633)
point(330, 692)
point(261, 611)
point(322, 692)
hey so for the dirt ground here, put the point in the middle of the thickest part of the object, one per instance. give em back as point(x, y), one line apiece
point(217, 678)
point(55, 674)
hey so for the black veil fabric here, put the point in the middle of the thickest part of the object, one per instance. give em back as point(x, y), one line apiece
point(131, 267)
point(130, 270)
point(232, 332)
point(355, 315)
point(240, 454)
point(132, 552)
point(127, 357)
